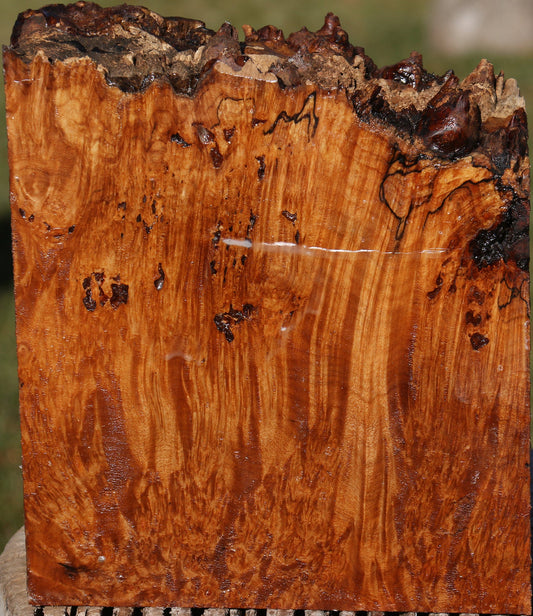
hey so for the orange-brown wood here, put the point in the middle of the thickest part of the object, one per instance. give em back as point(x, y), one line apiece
point(269, 353)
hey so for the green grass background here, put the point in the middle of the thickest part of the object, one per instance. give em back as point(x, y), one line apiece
point(388, 29)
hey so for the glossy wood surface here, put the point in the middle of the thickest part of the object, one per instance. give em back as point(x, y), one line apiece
point(259, 363)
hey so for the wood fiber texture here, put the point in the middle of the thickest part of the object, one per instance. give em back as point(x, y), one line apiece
point(272, 339)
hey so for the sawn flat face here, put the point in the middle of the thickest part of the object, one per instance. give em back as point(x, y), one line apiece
point(272, 332)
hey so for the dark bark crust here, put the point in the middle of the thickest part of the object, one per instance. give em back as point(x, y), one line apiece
point(427, 115)
point(507, 241)
point(90, 20)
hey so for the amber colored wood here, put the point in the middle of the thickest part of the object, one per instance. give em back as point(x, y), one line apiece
point(272, 353)
point(14, 599)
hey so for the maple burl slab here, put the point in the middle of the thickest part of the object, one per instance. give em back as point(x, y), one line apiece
point(272, 319)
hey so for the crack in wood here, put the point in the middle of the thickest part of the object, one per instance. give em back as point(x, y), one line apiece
point(307, 112)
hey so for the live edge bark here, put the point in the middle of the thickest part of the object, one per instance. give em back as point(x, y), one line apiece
point(272, 319)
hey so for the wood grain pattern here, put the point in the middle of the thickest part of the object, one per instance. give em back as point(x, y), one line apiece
point(269, 353)
point(14, 599)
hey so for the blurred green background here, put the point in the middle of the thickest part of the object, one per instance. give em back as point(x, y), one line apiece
point(388, 29)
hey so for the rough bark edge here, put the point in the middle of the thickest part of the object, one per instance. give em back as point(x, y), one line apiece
point(424, 115)
point(136, 46)
point(14, 599)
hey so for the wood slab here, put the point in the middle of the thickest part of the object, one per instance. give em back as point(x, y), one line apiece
point(272, 320)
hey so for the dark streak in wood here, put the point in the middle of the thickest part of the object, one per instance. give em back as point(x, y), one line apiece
point(307, 112)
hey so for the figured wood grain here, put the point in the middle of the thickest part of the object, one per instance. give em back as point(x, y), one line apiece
point(273, 345)
point(14, 599)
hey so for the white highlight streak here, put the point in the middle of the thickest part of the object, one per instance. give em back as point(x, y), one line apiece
point(246, 243)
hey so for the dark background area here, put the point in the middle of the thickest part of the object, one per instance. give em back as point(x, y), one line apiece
point(389, 30)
